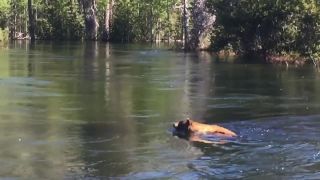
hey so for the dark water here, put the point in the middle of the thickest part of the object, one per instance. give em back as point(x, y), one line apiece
point(97, 111)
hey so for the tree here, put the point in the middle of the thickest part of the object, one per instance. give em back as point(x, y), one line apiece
point(108, 12)
point(185, 26)
point(266, 27)
point(91, 21)
point(121, 20)
point(31, 21)
point(202, 25)
point(4, 14)
point(18, 18)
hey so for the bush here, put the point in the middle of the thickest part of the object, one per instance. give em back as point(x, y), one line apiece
point(267, 27)
point(4, 35)
point(43, 29)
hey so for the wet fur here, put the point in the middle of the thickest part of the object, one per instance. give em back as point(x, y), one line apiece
point(193, 130)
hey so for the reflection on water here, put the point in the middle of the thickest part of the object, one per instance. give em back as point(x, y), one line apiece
point(98, 110)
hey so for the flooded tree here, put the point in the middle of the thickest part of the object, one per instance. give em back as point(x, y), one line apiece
point(202, 25)
point(91, 21)
point(31, 21)
point(108, 13)
point(185, 24)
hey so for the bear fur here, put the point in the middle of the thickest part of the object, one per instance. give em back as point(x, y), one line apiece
point(193, 130)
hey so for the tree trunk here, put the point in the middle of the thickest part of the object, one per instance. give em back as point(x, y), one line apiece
point(185, 26)
point(13, 28)
point(107, 20)
point(91, 20)
point(168, 20)
point(31, 22)
point(202, 23)
point(151, 24)
point(111, 14)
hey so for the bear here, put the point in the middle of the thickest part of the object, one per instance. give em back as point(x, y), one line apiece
point(193, 130)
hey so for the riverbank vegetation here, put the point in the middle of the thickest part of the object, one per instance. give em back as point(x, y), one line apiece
point(275, 30)
point(4, 34)
point(183, 21)
point(278, 30)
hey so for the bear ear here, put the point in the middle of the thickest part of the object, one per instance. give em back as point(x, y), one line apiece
point(175, 125)
point(178, 124)
point(188, 122)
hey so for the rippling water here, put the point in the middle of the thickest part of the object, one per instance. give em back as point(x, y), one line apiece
point(97, 111)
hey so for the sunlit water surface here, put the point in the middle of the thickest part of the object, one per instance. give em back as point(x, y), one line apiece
point(96, 111)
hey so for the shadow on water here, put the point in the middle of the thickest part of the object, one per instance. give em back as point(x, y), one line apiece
point(94, 110)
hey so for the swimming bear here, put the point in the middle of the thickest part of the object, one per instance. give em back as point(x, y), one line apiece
point(193, 130)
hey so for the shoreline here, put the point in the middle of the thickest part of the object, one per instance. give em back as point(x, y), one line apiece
point(288, 59)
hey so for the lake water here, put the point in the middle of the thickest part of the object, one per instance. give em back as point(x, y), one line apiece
point(97, 111)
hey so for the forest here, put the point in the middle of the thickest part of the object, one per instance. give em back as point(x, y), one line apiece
point(273, 29)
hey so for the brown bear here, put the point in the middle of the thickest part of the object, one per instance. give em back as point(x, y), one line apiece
point(193, 130)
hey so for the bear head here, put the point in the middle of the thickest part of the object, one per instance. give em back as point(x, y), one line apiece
point(181, 128)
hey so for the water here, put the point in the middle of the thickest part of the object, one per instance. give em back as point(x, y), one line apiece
point(97, 111)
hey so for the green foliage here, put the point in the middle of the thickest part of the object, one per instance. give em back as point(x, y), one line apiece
point(4, 35)
point(245, 26)
point(144, 20)
point(123, 26)
point(141, 20)
point(4, 13)
point(266, 26)
point(43, 29)
point(102, 4)
point(61, 20)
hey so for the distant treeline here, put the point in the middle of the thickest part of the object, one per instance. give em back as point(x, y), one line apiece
point(107, 20)
point(269, 28)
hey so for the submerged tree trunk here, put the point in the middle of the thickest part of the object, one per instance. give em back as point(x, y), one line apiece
point(202, 23)
point(106, 31)
point(31, 21)
point(151, 38)
point(91, 20)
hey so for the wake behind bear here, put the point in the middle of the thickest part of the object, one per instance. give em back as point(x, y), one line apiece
point(195, 131)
